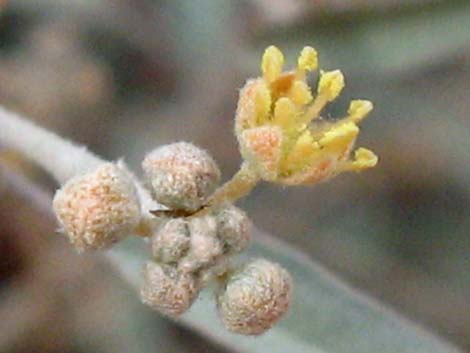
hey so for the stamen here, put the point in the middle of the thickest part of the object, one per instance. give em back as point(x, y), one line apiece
point(329, 87)
point(284, 113)
point(271, 63)
point(308, 60)
point(358, 110)
point(300, 93)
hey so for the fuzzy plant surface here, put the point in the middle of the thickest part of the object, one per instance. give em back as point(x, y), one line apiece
point(187, 229)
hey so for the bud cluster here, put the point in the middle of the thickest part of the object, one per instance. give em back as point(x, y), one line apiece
point(189, 248)
point(190, 251)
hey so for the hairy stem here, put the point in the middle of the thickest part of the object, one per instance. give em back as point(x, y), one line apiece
point(239, 186)
point(58, 156)
point(61, 158)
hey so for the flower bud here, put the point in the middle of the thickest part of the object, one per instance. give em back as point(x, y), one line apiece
point(167, 290)
point(255, 298)
point(181, 175)
point(205, 247)
point(97, 209)
point(233, 229)
point(171, 241)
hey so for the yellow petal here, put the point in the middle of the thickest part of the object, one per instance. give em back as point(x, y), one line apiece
point(331, 84)
point(271, 63)
point(308, 59)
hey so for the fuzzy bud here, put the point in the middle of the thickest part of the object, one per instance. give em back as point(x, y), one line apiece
point(181, 175)
point(255, 298)
point(205, 247)
point(171, 241)
point(97, 209)
point(233, 229)
point(167, 290)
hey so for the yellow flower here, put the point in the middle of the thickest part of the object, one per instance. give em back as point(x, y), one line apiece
point(281, 134)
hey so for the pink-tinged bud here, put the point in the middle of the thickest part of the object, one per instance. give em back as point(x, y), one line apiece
point(97, 209)
point(181, 175)
point(205, 248)
point(171, 242)
point(255, 298)
point(167, 290)
point(233, 229)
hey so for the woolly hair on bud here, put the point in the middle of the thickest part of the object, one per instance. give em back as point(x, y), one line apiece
point(181, 175)
point(97, 209)
point(255, 297)
point(171, 241)
point(205, 248)
point(167, 290)
point(233, 229)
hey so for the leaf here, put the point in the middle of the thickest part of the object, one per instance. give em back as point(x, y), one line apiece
point(326, 316)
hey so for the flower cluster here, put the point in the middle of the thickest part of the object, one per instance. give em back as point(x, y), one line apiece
point(279, 128)
point(196, 230)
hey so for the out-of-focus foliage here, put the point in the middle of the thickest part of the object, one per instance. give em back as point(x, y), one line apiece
point(125, 76)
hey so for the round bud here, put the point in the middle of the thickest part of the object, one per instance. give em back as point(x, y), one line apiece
point(167, 290)
point(97, 209)
point(181, 175)
point(255, 297)
point(171, 241)
point(233, 229)
point(205, 248)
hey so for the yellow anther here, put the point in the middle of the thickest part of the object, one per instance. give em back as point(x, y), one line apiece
point(300, 93)
point(284, 113)
point(358, 110)
point(363, 159)
point(331, 84)
point(339, 139)
point(271, 64)
point(308, 59)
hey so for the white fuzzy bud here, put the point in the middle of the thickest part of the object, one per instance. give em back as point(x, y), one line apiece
point(205, 247)
point(233, 229)
point(181, 175)
point(255, 297)
point(97, 209)
point(171, 241)
point(167, 290)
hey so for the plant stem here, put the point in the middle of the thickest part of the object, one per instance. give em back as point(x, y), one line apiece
point(60, 157)
point(239, 186)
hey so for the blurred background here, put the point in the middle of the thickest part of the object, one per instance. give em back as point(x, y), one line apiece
point(125, 76)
